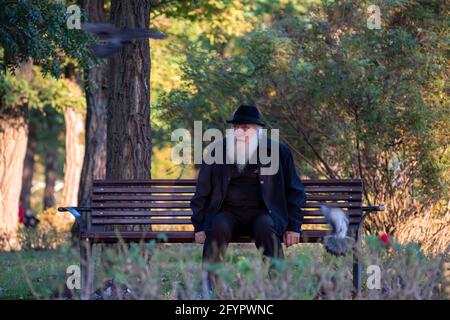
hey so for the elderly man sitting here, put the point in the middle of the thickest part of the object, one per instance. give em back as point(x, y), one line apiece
point(234, 199)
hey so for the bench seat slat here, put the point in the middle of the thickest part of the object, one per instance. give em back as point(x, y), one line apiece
point(177, 236)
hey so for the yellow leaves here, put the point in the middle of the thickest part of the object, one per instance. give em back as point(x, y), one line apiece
point(164, 168)
point(50, 218)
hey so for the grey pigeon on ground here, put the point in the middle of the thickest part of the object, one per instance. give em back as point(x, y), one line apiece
point(113, 39)
point(337, 243)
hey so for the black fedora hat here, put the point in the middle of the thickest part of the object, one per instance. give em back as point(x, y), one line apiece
point(246, 114)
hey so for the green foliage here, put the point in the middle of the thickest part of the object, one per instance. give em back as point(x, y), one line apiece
point(16, 91)
point(59, 94)
point(208, 23)
point(44, 91)
point(38, 29)
point(192, 10)
point(350, 101)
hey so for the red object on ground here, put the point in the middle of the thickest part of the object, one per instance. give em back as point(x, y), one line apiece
point(21, 215)
point(384, 238)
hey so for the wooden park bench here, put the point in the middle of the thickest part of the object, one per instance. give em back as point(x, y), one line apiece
point(164, 205)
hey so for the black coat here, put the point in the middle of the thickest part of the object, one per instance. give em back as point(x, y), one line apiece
point(283, 193)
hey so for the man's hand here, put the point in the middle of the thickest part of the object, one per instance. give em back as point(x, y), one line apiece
point(200, 237)
point(290, 238)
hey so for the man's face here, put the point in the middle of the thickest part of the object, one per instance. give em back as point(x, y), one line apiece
point(245, 138)
point(245, 131)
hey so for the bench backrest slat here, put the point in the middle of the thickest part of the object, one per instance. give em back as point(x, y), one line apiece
point(187, 197)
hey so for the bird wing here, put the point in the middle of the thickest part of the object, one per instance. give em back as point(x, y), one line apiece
point(140, 33)
point(102, 30)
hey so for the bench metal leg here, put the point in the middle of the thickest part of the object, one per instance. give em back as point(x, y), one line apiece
point(87, 268)
point(357, 268)
point(357, 275)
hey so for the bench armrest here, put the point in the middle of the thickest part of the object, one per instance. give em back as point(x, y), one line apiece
point(76, 212)
point(373, 208)
point(366, 211)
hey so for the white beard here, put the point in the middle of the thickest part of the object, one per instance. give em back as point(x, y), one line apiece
point(241, 152)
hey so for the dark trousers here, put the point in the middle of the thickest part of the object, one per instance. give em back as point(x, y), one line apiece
point(231, 223)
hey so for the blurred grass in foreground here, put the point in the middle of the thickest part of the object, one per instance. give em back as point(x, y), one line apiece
point(174, 272)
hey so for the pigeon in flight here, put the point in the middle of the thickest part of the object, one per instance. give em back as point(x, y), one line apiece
point(113, 39)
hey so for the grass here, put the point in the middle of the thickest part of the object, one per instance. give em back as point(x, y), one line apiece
point(31, 274)
point(174, 272)
point(35, 274)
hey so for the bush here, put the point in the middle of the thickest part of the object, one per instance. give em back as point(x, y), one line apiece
point(52, 231)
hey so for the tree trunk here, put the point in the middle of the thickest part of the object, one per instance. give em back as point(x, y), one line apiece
point(13, 145)
point(74, 156)
point(50, 176)
point(94, 164)
point(128, 132)
point(28, 168)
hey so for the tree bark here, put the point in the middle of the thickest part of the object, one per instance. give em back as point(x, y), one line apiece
point(28, 168)
point(74, 156)
point(13, 145)
point(128, 117)
point(94, 164)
